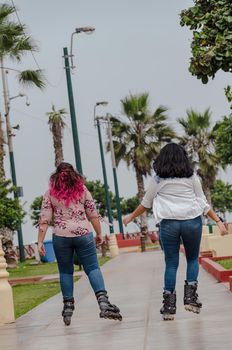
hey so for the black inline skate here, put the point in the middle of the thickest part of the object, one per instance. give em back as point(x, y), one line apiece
point(169, 306)
point(68, 311)
point(107, 310)
point(191, 301)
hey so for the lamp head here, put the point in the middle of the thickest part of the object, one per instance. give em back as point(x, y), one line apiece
point(87, 30)
point(102, 103)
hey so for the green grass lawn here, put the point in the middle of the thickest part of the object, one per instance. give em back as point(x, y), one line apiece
point(25, 269)
point(28, 296)
point(227, 263)
point(152, 245)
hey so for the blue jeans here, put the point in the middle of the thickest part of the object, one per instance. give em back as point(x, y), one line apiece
point(171, 234)
point(85, 248)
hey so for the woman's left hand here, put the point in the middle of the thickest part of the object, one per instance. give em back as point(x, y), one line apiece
point(99, 240)
point(41, 249)
point(222, 228)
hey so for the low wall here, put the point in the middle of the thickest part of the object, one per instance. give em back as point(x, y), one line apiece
point(219, 272)
point(133, 240)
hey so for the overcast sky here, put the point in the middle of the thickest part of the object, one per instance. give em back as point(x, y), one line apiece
point(138, 46)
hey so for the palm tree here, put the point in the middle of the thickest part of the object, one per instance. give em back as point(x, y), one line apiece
point(14, 44)
point(138, 137)
point(199, 142)
point(56, 125)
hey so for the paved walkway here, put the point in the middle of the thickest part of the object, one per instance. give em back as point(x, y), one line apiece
point(135, 283)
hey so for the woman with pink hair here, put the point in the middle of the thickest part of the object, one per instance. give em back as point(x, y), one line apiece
point(70, 206)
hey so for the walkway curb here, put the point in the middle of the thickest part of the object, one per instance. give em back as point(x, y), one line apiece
point(219, 272)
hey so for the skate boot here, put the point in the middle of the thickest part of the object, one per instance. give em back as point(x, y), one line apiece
point(169, 306)
point(191, 301)
point(68, 311)
point(107, 309)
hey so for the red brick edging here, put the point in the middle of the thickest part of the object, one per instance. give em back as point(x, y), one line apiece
point(24, 280)
point(218, 271)
point(230, 282)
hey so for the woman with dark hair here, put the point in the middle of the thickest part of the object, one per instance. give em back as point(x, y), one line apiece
point(178, 201)
point(70, 206)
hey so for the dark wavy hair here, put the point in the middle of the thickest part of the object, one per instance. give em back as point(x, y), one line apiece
point(173, 162)
point(66, 184)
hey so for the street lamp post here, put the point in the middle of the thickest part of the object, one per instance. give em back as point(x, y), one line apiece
point(11, 151)
point(117, 197)
point(87, 30)
point(106, 187)
point(72, 113)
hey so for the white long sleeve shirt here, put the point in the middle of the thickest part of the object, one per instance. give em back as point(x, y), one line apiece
point(176, 198)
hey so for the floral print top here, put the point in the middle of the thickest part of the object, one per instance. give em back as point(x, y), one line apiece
point(69, 221)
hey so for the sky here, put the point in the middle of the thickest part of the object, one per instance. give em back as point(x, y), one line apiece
point(138, 46)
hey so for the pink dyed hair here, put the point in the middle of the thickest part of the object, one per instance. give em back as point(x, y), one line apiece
point(66, 184)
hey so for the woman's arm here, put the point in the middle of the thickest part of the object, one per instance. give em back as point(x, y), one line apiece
point(146, 204)
point(211, 213)
point(208, 210)
point(137, 212)
point(96, 225)
point(97, 228)
point(200, 193)
point(41, 235)
point(93, 216)
point(46, 214)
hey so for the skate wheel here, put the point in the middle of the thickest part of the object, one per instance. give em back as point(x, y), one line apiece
point(67, 320)
point(168, 317)
point(120, 317)
point(111, 316)
point(192, 308)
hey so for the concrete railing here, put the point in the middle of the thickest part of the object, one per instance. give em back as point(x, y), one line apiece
point(6, 295)
point(217, 244)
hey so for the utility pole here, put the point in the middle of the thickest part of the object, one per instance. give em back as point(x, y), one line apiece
point(106, 187)
point(11, 152)
point(117, 197)
point(72, 112)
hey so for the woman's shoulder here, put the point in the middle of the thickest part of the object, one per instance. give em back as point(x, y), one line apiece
point(47, 194)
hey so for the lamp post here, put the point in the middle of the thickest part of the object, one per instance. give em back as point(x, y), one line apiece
point(106, 187)
point(117, 197)
point(87, 30)
point(10, 135)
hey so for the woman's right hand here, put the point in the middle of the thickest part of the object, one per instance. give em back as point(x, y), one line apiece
point(41, 249)
point(127, 220)
point(222, 228)
point(99, 240)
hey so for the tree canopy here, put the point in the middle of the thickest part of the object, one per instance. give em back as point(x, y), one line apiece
point(223, 140)
point(223, 134)
point(98, 192)
point(211, 23)
point(199, 143)
point(222, 196)
point(11, 212)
